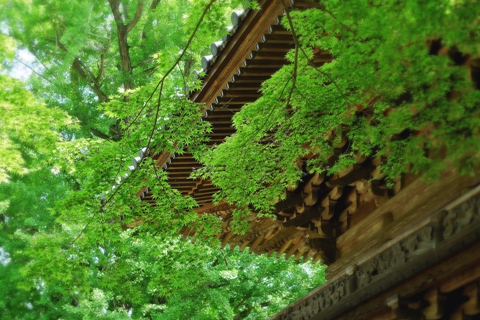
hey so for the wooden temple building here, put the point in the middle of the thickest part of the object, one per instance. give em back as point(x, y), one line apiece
point(411, 252)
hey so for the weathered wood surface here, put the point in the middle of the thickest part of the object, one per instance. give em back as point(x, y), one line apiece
point(417, 201)
point(212, 208)
point(436, 260)
point(434, 279)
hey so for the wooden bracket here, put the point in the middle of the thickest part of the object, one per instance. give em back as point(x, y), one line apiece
point(401, 310)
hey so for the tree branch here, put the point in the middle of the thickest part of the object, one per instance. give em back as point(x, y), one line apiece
point(99, 134)
point(217, 285)
point(144, 62)
point(122, 33)
point(154, 4)
point(85, 73)
point(331, 14)
point(101, 66)
point(224, 258)
point(136, 18)
point(38, 74)
point(114, 5)
point(239, 304)
point(297, 48)
point(160, 83)
point(88, 76)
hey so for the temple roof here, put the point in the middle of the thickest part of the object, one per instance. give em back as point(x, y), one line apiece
point(252, 52)
point(315, 218)
point(391, 251)
point(320, 207)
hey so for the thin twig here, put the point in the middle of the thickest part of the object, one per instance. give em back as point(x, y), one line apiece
point(159, 85)
point(331, 80)
point(331, 14)
point(155, 121)
point(183, 79)
point(207, 7)
point(297, 47)
point(38, 74)
point(82, 231)
point(224, 258)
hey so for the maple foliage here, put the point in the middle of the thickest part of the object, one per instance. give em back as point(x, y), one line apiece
point(402, 85)
point(109, 79)
point(124, 69)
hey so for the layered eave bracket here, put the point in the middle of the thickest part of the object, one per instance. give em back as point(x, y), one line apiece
point(430, 271)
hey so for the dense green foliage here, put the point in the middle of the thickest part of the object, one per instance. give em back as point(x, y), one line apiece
point(386, 91)
point(160, 277)
point(26, 201)
point(90, 52)
point(120, 70)
point(29, 130)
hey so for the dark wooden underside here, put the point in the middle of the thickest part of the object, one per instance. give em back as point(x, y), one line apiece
point(430, 273)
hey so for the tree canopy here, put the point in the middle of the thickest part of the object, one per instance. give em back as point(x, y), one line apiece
point(402, 86)
point(111, 78)
point(107, 80)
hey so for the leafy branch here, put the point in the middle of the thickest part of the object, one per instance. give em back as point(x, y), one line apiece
point(295, 60)
point(158, 87)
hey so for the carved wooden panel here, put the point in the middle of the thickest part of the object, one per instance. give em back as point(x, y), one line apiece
point(436, 240)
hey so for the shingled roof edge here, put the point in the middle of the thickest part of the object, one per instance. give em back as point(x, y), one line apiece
point(217, 47)
point(241, 20)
